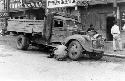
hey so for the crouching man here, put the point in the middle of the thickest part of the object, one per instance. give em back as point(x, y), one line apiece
point(59, 53)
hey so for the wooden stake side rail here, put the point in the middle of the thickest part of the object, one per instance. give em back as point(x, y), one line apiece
point(25, 25)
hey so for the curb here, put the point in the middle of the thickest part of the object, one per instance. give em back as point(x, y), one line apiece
point(114, 55)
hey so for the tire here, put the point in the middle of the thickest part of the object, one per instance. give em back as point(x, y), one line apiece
point(96, 56)
point(75, 50)
point(22, 42)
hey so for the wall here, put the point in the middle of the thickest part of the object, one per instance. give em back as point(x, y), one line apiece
point(97, 16)
point(122, 9)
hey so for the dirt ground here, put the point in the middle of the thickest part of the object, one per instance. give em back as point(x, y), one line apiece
point(33, 65)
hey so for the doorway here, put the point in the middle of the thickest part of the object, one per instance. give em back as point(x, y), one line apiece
point(110, 23)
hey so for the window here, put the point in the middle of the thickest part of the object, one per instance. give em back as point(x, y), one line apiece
point(21, 17)
point(70, 23)
point(16, 17)
point(58, 23)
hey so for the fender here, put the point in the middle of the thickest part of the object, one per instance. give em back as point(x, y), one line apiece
point(82, 39)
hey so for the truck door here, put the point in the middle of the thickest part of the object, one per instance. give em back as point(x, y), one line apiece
point(58, 30)
point(48, 28)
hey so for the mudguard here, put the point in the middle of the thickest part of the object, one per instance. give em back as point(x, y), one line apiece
point(84, 40)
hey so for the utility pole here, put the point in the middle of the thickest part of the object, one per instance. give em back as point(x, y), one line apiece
point(6, 7)
point(117, 12)
point(115, 8)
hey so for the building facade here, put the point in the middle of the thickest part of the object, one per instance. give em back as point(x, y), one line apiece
point(100, 13)
point(26, 9)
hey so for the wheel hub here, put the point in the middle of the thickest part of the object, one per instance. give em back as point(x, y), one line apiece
point(20, 41)
point(74, 50)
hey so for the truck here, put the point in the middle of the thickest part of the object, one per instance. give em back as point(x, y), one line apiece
point(55, 30)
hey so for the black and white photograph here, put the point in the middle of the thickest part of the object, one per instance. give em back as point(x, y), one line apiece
point(62, 40)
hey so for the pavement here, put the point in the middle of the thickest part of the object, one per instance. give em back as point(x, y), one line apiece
point(109, 50)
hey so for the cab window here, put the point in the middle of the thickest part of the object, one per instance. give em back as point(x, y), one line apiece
point(70, 23)
point(58, 23)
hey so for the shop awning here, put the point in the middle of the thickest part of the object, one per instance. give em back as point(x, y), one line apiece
point(34, 0)
point(94, 2)
point(26, 4)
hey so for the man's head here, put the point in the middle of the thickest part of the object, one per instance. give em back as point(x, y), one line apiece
point(115, 22)
point(91, 25)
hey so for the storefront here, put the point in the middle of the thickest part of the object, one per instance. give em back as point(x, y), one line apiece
point(27, 9)
point(3, 16)
point(63, 7)
point(102, 14)
point(88, 12)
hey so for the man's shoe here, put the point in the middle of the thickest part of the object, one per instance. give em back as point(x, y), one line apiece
point(50, 56)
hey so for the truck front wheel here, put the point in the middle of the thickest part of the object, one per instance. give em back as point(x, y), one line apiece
point(74, 50)
point(22, 42)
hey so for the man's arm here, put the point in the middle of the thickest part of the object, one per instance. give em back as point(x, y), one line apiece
point(118, 30)
point(112, 30)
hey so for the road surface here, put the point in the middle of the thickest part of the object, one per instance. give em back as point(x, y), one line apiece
point(33, 65)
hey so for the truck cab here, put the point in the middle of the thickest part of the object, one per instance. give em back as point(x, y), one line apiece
point(64, 27)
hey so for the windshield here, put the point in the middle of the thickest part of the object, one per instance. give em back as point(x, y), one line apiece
point(73, 23)
point(70, 23)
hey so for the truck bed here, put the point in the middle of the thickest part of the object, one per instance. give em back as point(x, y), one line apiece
point(25, 25)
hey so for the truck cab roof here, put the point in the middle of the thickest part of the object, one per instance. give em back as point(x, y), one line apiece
point(64, 18)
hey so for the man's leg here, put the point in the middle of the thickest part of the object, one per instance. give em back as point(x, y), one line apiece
point(120, 44)
point(114, 44)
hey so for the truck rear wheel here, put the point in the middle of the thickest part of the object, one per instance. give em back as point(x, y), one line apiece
point(74, 50)
point(96, 56)
point(22, 42)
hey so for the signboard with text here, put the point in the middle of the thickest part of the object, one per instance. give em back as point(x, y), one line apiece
point(60, 3)
point(34, 4)
point(20, 4)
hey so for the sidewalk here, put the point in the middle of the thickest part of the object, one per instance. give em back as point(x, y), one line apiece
point(109, 50)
